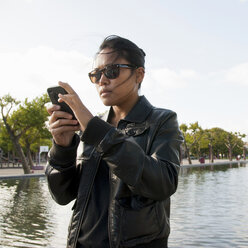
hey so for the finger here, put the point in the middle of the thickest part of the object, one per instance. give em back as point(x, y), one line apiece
point(63, 122)
point(59, 115)
point(70, 99)
point(67, 87)
point(51, 108)
point(63, 98)
point(63, 129)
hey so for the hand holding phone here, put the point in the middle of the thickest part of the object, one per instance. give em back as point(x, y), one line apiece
point(53, 94)
point(62, 129)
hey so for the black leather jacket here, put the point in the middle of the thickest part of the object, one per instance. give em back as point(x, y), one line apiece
point(143, 158)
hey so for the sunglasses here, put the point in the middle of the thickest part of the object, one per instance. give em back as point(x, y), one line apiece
point(110, 72)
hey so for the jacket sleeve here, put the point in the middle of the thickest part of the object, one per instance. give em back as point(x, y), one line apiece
point(153, 175)
point(62, 172)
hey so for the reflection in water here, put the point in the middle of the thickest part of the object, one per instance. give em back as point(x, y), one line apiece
point(26, 219)
point(208, 210)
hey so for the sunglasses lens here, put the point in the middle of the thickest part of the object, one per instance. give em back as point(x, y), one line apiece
point(95, 76)
point(112, 71)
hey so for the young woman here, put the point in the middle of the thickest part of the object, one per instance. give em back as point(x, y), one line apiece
point(122, 168)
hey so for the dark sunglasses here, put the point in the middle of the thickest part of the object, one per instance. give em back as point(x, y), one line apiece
point(110, 72)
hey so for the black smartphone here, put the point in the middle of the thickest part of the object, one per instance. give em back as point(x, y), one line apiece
point(53, 94)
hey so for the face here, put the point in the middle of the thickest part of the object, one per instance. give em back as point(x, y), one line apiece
point(124, 88)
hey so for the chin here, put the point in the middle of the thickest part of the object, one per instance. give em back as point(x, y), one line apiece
point(106, 102)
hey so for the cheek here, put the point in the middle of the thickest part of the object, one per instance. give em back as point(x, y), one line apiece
point(124, 82)
point(126, 88)
point(97, 87)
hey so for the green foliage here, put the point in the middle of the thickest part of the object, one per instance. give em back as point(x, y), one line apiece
point(33, 116)
point(5, 142)
point(199, 141)
point(27, 119)
point(27, 122)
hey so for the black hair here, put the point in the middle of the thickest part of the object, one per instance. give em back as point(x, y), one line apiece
point(125, 49)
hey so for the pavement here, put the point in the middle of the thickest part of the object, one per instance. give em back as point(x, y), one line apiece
point(18, 172)
point(6, 172)
point(207, 161)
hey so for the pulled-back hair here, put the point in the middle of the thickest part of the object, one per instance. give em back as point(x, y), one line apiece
point(125, 49)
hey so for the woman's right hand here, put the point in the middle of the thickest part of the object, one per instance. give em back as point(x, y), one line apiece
point(61, 125)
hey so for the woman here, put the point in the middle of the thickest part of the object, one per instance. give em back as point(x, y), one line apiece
point(127, 162)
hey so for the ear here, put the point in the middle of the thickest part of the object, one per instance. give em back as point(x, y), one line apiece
point(140, 73)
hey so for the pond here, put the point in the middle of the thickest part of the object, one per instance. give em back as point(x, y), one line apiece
point(208, 210)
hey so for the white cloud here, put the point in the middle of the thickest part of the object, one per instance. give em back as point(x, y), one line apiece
point(40, 66)
point(30, 73)
point(166, 87)
point(215, 98)
point(238, 74)
point(168, 78)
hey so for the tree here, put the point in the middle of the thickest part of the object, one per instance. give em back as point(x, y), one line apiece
point(184, 129)
point(218, 141)
point(7, 103)
point(230, 142)
point(208, 136)
point(196, 133)
point(240, 147)
point(34, 113)
point(25, 124)
point(5, 142)
point(214, 141)
point(242, 136)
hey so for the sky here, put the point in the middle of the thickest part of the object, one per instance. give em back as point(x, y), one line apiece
point(196, 52)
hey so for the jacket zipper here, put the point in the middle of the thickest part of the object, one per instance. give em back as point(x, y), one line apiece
point(82, 212)
point(110, 194)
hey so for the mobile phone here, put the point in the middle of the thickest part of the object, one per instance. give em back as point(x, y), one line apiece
point(53, 94)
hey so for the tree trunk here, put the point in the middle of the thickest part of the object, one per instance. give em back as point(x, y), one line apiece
point(244, 153)
point(18, 148)
point(29, 155)
point(187, 152)
point(13, 158)
point(230, 153)
point(21, 154)
point(211, 157)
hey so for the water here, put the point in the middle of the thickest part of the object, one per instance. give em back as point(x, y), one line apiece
point(29, 217)
point(208, 210)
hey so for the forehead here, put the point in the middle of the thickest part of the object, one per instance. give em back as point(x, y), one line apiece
point(107, 56)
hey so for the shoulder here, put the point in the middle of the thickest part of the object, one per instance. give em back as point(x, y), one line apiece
point(151, 112)
point(162, 114)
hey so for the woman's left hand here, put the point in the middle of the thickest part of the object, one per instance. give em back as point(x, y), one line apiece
point(82, 114)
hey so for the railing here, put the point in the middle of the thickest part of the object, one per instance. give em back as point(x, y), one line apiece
point(10, 164)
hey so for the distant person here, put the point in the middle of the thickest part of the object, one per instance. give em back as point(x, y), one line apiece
point(127, 162)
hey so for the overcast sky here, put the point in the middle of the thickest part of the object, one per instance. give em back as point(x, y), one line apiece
point(196, 63)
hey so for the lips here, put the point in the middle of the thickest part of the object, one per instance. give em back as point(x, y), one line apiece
point(104, 92)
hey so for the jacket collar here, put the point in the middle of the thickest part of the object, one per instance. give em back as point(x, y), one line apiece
point(138, 113)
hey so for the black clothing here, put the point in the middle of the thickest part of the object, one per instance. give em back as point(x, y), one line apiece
point(142, 154)
point(96, 224)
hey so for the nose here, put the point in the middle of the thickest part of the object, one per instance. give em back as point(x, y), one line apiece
point(103, 80)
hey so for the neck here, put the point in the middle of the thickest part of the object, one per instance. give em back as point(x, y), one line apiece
point(121, 111)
